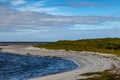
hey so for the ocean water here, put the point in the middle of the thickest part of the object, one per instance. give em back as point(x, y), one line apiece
point(21, 67)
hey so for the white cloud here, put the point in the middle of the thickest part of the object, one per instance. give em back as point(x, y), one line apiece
point(104, 25)
point(37, 7)
point(17, 2)
point(16, 21)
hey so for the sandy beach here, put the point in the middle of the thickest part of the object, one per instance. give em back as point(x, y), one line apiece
point(87, 61)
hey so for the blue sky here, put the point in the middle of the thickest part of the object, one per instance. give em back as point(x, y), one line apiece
point(51, 20)
point(67, 7)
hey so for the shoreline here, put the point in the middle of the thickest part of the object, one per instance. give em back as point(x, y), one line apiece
point(88, 61)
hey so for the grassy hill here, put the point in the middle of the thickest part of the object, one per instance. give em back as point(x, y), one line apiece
point(103, 45)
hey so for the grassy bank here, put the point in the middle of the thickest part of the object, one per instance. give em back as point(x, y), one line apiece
point(105, 75)
point(103, 45)
point(111, 74)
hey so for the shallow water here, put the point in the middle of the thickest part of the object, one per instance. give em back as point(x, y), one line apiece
point(21, 67)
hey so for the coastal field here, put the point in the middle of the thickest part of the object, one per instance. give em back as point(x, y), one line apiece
point(102, 45)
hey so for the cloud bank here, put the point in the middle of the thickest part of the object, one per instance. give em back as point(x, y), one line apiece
point(21, 21)
point(22, 24)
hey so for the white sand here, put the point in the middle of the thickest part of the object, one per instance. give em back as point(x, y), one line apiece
point(89, 61)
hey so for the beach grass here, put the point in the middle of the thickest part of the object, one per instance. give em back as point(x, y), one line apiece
point(102, 45)
point(110, 74)
point(103, 76)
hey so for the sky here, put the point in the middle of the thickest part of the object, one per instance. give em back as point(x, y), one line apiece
point(52, 20)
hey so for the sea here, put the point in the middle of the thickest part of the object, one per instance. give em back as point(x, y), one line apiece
point(25, 67)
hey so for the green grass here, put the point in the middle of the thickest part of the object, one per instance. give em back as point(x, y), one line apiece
point(105, 75)
point(103, 45)
point(110, 74)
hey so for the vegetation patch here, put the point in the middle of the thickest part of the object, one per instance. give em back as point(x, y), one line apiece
point(0, 48)
point(112, 74)
point(102, 45)
point(28, 54)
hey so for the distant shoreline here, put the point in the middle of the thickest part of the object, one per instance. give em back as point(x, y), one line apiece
point(21, 43)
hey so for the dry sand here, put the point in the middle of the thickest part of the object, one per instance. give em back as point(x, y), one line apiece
point(88, 61)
